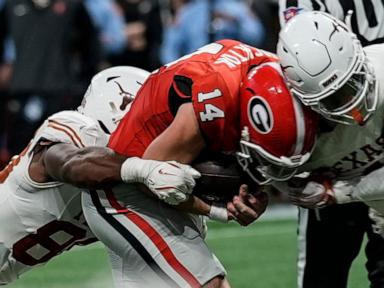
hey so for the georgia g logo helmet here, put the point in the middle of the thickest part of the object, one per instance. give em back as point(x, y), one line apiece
point(260, 114)
point(278, 132)
point(110, 94)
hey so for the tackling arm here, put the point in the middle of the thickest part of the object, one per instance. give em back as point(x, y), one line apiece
point(100, 167)
point(90, 167)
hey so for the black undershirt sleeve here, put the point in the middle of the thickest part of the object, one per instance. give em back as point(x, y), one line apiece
point(179, 93)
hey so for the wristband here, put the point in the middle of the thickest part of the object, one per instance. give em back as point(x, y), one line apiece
point(129, 170)
point(218, 212)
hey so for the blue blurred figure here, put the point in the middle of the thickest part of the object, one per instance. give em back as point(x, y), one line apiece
point(110, 24)
point(202, 21)
point(106, 19)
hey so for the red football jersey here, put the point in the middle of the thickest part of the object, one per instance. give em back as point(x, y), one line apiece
point(210, 78)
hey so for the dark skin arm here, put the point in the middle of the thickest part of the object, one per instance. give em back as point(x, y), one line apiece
point(98, 167)
point(90, 167)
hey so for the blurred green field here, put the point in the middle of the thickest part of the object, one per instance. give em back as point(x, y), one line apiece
point(260, 256)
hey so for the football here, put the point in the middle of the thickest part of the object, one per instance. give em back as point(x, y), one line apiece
point(220, 178)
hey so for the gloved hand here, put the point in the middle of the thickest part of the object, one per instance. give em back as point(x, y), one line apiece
point(170, 181)
point(320, 194)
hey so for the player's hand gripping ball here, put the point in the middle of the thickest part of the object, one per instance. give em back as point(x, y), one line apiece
point(220, 179)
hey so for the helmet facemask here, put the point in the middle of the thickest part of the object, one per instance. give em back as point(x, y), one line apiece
point(262, 166)
point(278, 133)
point(351, 101)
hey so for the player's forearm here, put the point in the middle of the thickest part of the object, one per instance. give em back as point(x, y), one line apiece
point(194, 205)
point(92, 167)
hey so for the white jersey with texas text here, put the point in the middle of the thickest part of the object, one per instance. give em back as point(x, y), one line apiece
point(41, 220)
point(356, 153)
point(353, 151)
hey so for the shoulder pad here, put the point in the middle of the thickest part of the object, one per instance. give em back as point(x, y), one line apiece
point(73, 128)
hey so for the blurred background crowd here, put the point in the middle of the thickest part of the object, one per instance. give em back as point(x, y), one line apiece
point(50, 49)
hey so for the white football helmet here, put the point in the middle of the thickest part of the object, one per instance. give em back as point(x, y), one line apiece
point(110, 94)
point(326, 67)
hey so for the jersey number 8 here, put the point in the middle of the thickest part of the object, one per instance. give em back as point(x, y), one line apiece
point(48, 241)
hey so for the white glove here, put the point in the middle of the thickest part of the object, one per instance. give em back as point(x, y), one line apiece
point(170, 181)
point(318, 195)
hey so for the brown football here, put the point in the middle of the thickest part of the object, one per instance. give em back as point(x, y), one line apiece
point(220, 179)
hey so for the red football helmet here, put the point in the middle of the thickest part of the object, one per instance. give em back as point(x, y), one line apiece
point(278, 132)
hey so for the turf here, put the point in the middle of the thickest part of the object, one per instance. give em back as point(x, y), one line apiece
point(260, 256)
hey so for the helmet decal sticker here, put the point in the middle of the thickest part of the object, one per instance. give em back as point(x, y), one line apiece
point(127, 96)
point(122, 92)
point(329, 81)
point(112, 78)
point(260, 115)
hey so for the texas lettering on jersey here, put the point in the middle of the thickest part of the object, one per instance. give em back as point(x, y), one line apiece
point(352, 151)
point(210, 79)
point(364, 158)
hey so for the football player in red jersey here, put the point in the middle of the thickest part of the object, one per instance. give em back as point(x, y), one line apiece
point(278, 132)
point(225, 98)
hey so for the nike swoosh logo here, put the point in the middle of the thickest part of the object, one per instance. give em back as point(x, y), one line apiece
point(162, 172)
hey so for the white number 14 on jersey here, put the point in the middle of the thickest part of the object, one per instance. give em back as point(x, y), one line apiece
point(211, 111)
